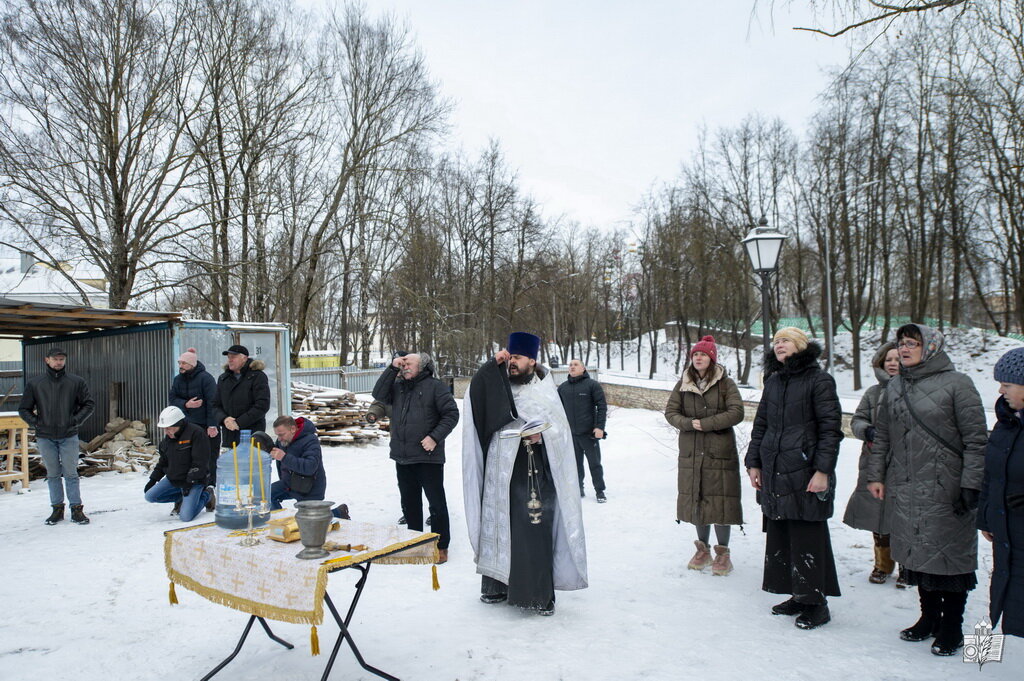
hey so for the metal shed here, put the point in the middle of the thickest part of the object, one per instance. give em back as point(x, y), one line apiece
point(129, 369)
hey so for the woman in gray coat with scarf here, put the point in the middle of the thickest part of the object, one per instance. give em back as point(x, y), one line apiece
point(864, 511)
point(927, 463)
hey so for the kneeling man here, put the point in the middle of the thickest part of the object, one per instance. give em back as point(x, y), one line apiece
point(180, 476)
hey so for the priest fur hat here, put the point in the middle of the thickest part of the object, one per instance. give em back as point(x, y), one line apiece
point(525, 344)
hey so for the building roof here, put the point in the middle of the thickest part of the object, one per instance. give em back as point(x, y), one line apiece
point(43, 284)
point(25, 319)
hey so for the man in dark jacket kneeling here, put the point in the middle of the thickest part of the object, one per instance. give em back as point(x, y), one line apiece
point(423, 413)
point(300, 464)
point(180, 477)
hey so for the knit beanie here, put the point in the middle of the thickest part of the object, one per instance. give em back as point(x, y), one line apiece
point(1010, 367)
point(799, 338)
point(708, 347)
point(190, 356)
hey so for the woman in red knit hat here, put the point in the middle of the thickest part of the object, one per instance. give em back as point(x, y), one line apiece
point(705, 405)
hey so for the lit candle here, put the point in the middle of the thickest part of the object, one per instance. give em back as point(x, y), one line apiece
point(251, 495)
point(238, 482)
point(259, 453)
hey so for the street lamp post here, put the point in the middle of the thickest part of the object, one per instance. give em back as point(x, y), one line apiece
point(763, 247)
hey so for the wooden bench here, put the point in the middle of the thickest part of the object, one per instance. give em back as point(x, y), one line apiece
point(14, 454)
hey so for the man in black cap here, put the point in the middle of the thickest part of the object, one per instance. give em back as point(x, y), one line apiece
point(55, 405)
point(242, 399)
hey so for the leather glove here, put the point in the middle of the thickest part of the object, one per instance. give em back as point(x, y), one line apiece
point(967, 502)
point(149, 485)
point(869, 434)
point(194, 478)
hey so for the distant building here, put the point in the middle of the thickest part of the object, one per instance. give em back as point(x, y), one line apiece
point(25, 278)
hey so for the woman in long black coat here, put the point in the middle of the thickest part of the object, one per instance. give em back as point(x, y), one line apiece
point(1001, 508)
point(791, 463)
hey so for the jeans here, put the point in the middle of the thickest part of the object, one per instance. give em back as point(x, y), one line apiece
point(61, 459)
point(164, 492)
point(415, 480)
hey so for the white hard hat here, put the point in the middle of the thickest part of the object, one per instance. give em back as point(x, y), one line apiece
point(170, 416)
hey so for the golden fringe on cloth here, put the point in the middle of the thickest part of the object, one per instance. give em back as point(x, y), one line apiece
point(436, 584)
point(314, 642)
point(313, 617)
point(171, 596)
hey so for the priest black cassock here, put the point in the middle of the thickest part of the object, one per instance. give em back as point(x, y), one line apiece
point(522, 561)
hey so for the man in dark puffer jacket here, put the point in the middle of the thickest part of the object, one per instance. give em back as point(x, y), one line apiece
point(586, 409)
point(180, 475)
point(242, 399)
point(423, 413)
point(192, 391)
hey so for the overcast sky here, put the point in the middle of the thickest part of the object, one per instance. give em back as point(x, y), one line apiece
point(595, 101)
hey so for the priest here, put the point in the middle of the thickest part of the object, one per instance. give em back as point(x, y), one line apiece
point(520, 482)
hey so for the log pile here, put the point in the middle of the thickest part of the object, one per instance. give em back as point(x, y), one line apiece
point(339, 416)
point(124, 447)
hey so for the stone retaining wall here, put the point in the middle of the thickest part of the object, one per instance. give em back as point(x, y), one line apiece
point(635, 397)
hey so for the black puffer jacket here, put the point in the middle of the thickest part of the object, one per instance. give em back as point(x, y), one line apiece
point(1001, 512)
point(55, 404)
point(796, 432)
point(196, 382)
point(584, 403)
point(246, 398)
point(185, 458)
point(420, 407)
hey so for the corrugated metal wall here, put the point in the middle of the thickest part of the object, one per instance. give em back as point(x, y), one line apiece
point(143, 360)
point(134, 358)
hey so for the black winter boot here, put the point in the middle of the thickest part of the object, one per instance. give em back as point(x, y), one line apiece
point(931, 612)
point(788, 607)
point(57, 515)
point(951, 636)
point(814, 616)
point(77, 516)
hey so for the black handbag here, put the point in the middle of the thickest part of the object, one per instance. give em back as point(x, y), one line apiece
point(301, 484)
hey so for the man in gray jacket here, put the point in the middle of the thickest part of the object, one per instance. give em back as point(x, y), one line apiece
point(55, 405)
point(423, 413)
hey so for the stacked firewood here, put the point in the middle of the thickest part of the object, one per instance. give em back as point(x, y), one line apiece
point(339, 416)
point(123, 447)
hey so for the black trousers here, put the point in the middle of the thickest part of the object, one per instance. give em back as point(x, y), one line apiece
point(415, 480)
point(587, 446)
point(798, 560)
point(214, 455)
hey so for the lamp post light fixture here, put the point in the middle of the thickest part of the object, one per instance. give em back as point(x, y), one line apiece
point(763, 246)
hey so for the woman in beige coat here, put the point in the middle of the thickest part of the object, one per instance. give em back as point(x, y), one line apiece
point(705, 405)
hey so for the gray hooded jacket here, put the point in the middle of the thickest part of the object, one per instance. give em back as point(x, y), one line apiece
point(924, 471)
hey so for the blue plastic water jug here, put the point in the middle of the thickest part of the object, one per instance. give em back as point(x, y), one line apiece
point(234, 485)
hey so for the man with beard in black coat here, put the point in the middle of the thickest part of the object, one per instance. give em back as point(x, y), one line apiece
point(242, 399)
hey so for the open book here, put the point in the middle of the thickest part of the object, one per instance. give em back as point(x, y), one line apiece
point(528, 429)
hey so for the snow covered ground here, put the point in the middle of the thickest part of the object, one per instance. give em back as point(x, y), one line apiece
point(90, 603)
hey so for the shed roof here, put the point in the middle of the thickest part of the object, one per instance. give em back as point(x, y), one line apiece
point(22, 319)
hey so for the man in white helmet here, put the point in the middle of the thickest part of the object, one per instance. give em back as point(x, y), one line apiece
point(180, 477)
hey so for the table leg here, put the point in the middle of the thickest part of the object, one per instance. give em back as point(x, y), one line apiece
point(245, 633)
point(345, 635)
